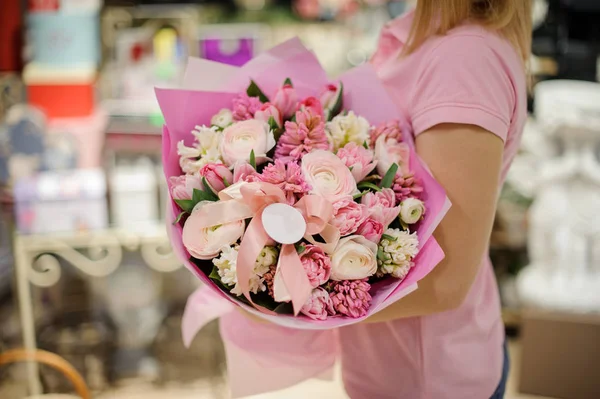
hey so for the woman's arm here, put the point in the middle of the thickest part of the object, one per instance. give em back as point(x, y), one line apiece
point(466, 160)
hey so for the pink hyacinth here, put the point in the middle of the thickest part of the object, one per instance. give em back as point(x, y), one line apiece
point(371, 229)
point(244, 107)
point(288, 177)
point(316, 264)
point(269, 279)
point(390, 130)
point(407, 186)
point(304, 135)
point(348, 215)
point(358, 159)
point(319, 305)
point(351, 298)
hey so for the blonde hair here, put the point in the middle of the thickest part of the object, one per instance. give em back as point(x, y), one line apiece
point(510, 18)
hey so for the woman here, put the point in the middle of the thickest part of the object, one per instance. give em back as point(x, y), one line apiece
point(456, 69)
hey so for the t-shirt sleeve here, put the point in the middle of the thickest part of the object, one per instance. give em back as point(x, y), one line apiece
point(463, 80)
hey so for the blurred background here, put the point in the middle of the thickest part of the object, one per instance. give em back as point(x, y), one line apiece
point(85, 267)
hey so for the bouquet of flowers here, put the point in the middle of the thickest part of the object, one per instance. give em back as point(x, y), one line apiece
point(298, 199)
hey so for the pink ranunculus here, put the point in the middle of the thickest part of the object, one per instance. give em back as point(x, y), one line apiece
point(382, 206)
point(319, 305)
point(391, 151)
point(244, 107)
point(389, 130)
point(288, 177)
point(313, 104)
point(317, 265)
point(371, 229)
point(348, 215)
point(268, 111)
point(241, 138)
point(358, 159)
point(286, 100)
point(207, 243)
point(305, 135)
point(182, 187)
point(328, 176)
point(242, 171)
point(217, 175)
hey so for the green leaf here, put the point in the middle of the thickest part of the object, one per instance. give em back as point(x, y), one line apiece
point(368, 185)
point(339, 103)
point(388, 179)
point(381, 254)
point(388, 237)
point(200, 196)
point(300, 248)
point(360, 195)
point(208, 190)
point(253, 159)
point(255, 91)
point(186, 205)
point(214, 274)
point(273, 125)
point(178, 218)
point(288, 81)
point(365, 145)
point(226, 183)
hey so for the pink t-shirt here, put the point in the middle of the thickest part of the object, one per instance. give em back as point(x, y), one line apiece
point(469, 76)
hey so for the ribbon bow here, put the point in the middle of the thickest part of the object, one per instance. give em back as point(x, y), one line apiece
point(291, 280)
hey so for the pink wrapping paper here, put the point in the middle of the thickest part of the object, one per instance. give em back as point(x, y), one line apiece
point(268, 357)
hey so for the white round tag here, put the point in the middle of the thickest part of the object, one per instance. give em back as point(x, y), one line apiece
point(283, 223)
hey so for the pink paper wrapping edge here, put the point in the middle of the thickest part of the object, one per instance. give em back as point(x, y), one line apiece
point(301, 352)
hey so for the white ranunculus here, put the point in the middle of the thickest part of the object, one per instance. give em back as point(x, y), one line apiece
point(223, 119)
point(354, 258)
point(411, 210)
point(241, 138)
point(350, 128)
point(328, 176)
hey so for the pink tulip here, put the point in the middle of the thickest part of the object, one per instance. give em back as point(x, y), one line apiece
point(319, 305)
point(313, 104)
point(358, 159)
point(217, 175)
point(243, 171)
point(348, 215)
point(286, 100)
point(382, 205)
point(268, 111)
point(371, 229)
point(182, 187)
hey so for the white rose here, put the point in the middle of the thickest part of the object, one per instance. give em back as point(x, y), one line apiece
point(223, 119)
point(354, 258)
point(241, 138)
point(344, 129)
point(411, 210)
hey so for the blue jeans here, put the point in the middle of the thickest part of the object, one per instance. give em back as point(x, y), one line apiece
point(501, 390)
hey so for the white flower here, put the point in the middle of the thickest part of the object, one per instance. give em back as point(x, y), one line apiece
point(208, 141)
point(411, 210)
point(227, 268)
point(265, 260)
point(187, 152)
point(397, 249)
point(223, 119)
point(354, 258)
point(344, 129)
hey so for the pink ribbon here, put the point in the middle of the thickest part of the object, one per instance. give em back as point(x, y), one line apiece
point(316, 211)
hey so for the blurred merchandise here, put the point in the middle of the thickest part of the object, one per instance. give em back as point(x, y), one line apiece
point(233, 44)
point(6, 256)
point(84, 135)
point(11, 92)
point(55, 202)
point(559, 355)
point(64, 33)
point(564, 273)
point(61, 92)
point(134, 195)
point(11, 36)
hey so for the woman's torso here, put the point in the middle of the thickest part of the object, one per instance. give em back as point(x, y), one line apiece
point(469, 76)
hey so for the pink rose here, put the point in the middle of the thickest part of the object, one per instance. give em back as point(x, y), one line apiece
point(371, 229)
point(316, 264)
point(390, 151)
point(182, 187)
point(207, 243)
point(241, 138)
point(243, 171)
point(348, 215)
point(313, 104)
point(319, 305)
point(382, 206)
point(286, 100)
point(217, 175)
point(358, 159)
point(268, 111)
point(328, 176)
